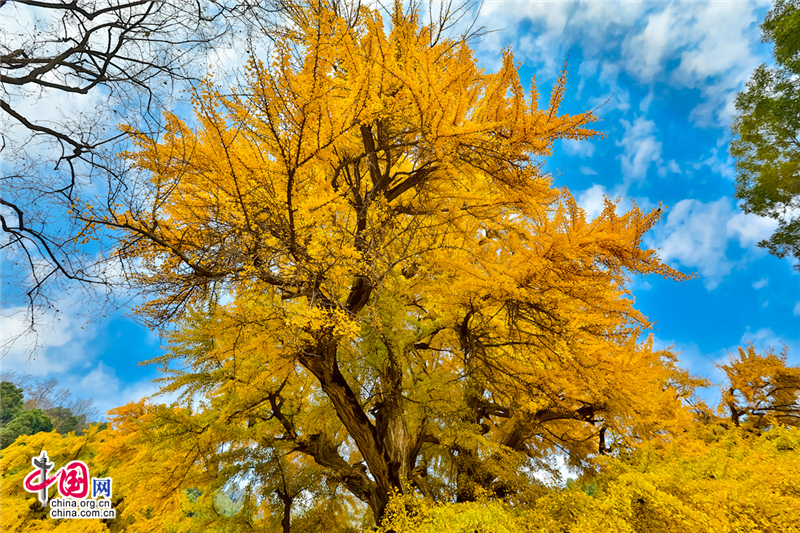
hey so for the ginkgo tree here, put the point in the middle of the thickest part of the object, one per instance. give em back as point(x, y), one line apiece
point(763, 391)
point(367, 271)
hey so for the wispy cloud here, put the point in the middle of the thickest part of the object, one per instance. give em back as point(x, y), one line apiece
point(641, 148)
point(578, 148)
point(765, 338)
point(719, 163)
point(710, 46)
point(749, 229)
point(57, 345)
point(109, 392)
point(592, 200)
point(654, 43)
point(697, 235)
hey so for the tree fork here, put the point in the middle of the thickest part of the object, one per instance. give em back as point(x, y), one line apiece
point(325, 368)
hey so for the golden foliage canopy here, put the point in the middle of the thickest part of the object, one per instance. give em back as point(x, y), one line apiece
point(763, 391)
point(370, 269)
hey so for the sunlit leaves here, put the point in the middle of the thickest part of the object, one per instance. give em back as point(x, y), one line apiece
point(763, 390)
point(370, 271)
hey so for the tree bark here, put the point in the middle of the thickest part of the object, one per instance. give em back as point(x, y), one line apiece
point(287, 510)
point(325, 368)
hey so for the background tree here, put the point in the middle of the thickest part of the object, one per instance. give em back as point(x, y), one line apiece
point(410, 304)
point(763, 391)
point(27, 422)
point(45, 408)
point(10, 401)
point(767, 131)
point(41, 393)
point(64, 421)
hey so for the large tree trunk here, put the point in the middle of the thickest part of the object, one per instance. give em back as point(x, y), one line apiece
point(325, 368)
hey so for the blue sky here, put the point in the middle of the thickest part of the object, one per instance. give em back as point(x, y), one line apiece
point(662, 76)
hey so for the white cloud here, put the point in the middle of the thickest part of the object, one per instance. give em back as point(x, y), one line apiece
point(641, 148)
point(648, 49)
point(61, 337)
point(724, 168)
point(722, 36)
point(103, 385)
point(544, 47)
point(697, 235)
point(714, 45)
point(796, 311)
point(587, 69)
point(588, 171)
point(644, 105)
point(760, 284)
point(764, 338)
point(618, 98)
point(670, 167)
point(578, 148)
point(592, 200)
point(132, 392)
point(692, 236)
point(749, 229)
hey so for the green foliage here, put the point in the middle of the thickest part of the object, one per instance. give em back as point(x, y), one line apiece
point(590, 488)
point(225, 505)
point(10, 401)
point(65, 422)
point(38, 413)
point(193, 493)
point(26, 423)
point(767, 129)
point(782, 27)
